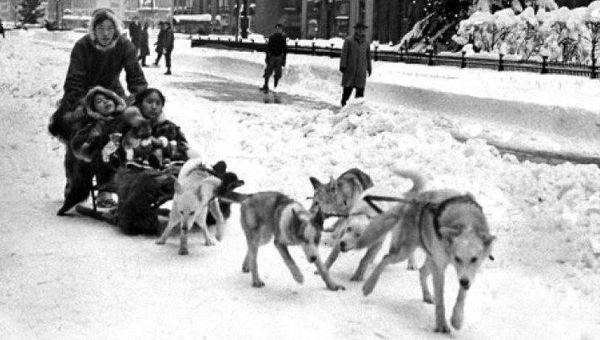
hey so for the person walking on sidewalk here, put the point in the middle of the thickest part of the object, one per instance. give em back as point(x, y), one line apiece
point(160, 42)
point(2, 29)
point(144, 49)
point(168, 46)
point(355, 63)
point(275, 59)
point(135, 30)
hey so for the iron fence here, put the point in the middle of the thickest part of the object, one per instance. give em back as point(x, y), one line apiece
point(429, 58)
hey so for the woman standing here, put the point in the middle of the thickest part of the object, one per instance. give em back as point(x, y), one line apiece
point(97, 59)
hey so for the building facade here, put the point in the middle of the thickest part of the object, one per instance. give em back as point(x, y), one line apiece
point(313, 18)
point(8, 10)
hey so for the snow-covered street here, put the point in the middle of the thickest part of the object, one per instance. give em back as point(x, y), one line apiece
point(77, 278)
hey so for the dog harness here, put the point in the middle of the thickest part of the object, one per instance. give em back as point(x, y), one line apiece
point(437, 210)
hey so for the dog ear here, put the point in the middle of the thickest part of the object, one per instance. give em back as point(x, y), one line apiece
point(488, 239)
point(315, 183)
point(220, 167)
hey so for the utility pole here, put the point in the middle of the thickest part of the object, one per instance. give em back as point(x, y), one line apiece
point(237, 20)
point(244, 21)
point(172, 14)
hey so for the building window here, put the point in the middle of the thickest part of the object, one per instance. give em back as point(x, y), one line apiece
point(292, 5)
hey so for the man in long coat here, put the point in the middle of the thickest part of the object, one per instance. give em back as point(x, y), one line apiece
point(355, 63)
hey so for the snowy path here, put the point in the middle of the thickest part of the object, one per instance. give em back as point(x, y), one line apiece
point(78, 278)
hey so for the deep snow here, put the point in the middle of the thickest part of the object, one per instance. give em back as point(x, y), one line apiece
point(78, 278)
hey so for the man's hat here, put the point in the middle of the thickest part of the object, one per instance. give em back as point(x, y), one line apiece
point(360, 25)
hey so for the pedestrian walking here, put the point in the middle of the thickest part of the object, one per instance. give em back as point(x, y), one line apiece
point(160, 42)
point(275, 59)
point(355, 63)
point(2, 29)
point(135, 30)
point(168, 46)
point(144, 48)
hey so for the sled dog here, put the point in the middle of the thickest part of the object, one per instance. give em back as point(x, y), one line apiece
point(451, 229)
point(196, 190)
point(265, 215)
point(344, 197)
point(360, 216)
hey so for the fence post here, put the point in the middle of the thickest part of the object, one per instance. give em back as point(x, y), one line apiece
point(463, 60)
point(593, 75)
point(430, 58)
point(314, 51)
point(500, 62)
point(331, 51)
point(544, 64)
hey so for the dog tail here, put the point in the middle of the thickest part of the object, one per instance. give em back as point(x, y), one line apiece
point(233, 197)
point(417, 179)
point(379, 226)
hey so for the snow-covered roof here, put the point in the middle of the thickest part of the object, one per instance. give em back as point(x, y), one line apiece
point(193, 17)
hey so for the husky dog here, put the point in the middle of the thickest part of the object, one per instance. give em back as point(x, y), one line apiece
point(140, 190)
point(359, 217)
point(196, 191)
point(451, 228)
point(344, 197)
point(338, 195)
point(267, 214)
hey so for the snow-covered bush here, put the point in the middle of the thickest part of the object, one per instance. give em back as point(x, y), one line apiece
point(560, 34)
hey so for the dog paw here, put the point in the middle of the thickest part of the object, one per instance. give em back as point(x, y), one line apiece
point(335, 287)
point(298, 277)
point(427, 299)
point(442, 329)
point(367, 288)
point(258, 284)
point(357, 277)
point(160, 242)
point(211, 242)
point(183, 251)
point(411, 266)
point(245, 268)
point(456, 320)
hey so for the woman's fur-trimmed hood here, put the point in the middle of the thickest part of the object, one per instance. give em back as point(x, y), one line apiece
point(118, 27)
point(88, 102)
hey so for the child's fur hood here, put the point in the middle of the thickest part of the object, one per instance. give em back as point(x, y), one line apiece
point(118, 27)
point(88, 102)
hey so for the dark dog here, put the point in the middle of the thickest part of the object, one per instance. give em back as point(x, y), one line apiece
point(142, 190)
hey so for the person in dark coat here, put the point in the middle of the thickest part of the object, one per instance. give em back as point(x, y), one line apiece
point(355, 63)
point(2, 29)
point(160, 42)
point(275, 59)
point(169, 44)
point(97, 59)
point(135, 31)
point(144, 47)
